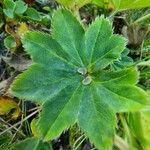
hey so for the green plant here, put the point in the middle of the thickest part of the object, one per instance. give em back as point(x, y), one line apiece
point(116, 5)
point(124, 61)
point(130, 4)
point(17, 13)
point(71, 78)
point(10, 42)
point(73, 4)
point(19, 9)
point(120, 5)
point(138, 125)
point(31, 143)
point(12, 8)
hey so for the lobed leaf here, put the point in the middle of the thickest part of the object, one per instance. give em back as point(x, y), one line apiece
point(99, 52)
point(70, 77)
point(10, 42)
point(71, 36)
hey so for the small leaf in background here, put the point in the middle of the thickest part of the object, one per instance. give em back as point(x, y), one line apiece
point(124, 61)
point(98, 2)
point(139, 124)
point(34, 128)
point(130, 4)
point(9, 8)
point(10, 43)
point(33, 14)
point(145, 116)
point(107, 4)
point(121, 5)
point(8, 105)
point(73, 4)
point(20, 8)
point(31, 144)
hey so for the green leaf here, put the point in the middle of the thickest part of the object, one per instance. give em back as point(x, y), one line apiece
point(101, 3)
point(96, 118)
point(72, 32)
point(73, 4)
point(34, 130)
point(9, 8)
point(139, 127)
point(145, 119)
point(121, 5)
point(99, 52)
point(33, 14)
point(124, 61)
point(31, 143)
point(130, 4)
point(21, 7)
point(71, 78)
point(10, 42)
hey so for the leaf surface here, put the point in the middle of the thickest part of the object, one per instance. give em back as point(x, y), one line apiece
point(31, 143)
point(99, 117)
point(9, 8)
point(71, 36)
point(69, 78)
point(121, 5)
point(99, 52)
point(73, 4)
point(130, 4)
point(21, 7)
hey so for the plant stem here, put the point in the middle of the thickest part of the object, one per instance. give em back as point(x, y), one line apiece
point(29, 116)
point(142, 18)
point(120, 143)
point(13, 127)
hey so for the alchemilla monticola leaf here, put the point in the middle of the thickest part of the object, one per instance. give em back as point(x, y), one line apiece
point(71, 78)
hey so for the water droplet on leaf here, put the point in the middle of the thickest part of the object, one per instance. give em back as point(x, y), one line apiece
point(82, 71)
point(87, 80)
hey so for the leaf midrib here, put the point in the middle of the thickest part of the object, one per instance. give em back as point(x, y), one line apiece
point(93, 49)
point(109, 51)
point(122, 96)
point(51, 126)
point(111, 80)
point(72, 39)
point(51, 53)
